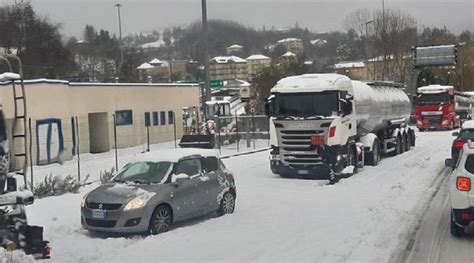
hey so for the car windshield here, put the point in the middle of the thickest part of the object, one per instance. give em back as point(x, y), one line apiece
point(144, 172)
point(433, 98)
point(467, 134)
point(306, 104)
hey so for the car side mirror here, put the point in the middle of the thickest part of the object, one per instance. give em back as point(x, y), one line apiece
point(450, 163)
point(455, 134)
point(179, 178)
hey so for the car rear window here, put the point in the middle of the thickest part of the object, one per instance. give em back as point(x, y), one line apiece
point(469, 165)
point(467, 134)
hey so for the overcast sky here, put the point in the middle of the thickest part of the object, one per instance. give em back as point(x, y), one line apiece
point(317, 15)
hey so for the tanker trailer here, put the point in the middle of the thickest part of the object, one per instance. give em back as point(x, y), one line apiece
point(326, 126)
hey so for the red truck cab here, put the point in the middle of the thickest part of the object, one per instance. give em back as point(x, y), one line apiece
point(435, 108)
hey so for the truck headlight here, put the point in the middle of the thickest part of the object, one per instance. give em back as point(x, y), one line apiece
point(138, 202)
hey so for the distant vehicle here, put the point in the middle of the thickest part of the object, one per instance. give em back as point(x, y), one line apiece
point(322, 124)
point(438, 107)
point(466, 133)
point(245, 92)
point(158, 189)
point(460, 190)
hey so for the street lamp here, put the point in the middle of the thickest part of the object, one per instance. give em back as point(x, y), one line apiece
point(120, 33)
point(367, 47)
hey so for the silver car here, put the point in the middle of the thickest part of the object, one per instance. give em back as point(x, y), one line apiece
point(158, 189)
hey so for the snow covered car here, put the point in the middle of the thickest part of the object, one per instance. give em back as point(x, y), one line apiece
point(158, 189)
point(461, 194)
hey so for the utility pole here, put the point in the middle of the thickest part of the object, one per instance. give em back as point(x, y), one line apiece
point(120, 34)
point(206, 96)
point(383, 42)
point(367, 48)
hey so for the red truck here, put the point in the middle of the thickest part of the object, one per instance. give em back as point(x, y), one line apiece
point(436, 107)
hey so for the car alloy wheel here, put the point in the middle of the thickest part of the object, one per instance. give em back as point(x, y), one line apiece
point(227, 204)
point(161, 221)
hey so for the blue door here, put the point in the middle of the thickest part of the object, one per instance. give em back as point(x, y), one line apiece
point(49, 140)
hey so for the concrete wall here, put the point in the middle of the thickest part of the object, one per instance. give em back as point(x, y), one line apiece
point(62, 100)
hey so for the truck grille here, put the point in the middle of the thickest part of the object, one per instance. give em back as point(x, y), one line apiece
point(108, 207)
point(297, 149)
point(433, 119)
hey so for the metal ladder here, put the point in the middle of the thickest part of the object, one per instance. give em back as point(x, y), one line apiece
point(19, 125)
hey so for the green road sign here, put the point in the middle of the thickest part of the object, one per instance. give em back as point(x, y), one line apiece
point(216, 83)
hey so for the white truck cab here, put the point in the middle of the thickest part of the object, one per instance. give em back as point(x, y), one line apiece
point(461, 194)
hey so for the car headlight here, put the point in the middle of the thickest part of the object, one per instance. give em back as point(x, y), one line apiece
point(83, 200)
point(138, 202)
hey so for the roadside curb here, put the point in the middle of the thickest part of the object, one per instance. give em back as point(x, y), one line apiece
point(245, 153)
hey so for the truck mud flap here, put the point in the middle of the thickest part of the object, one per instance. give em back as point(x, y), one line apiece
point(198, 141)
point(35, 245)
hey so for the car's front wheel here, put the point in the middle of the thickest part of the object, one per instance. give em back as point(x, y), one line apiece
point(161, 220)
point(227, 204)
point(455, 229)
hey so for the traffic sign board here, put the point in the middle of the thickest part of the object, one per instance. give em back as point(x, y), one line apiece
point(216, 83)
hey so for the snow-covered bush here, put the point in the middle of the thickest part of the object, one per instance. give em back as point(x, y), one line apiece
point(106, 176)
point(57, 185)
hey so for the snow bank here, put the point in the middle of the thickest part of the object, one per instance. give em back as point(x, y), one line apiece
point(16, 256)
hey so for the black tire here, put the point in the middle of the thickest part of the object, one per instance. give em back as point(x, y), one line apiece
point(421, 130)
point(354, 159)
point(412, 138)
point(408, 140)
point(456, 231)
point(398, 147)
point(227, 205)
point(161, 220)
point(404, 145)
point(373, 158)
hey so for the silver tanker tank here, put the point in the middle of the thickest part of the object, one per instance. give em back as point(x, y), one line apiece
point(375, 105)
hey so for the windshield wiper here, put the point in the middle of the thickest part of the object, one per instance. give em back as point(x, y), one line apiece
point(140, 181)
point(119, 181)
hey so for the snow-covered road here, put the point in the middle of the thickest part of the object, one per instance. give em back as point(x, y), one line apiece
point(433, 242)
point(363, 218)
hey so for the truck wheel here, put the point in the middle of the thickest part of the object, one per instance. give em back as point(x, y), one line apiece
point(397, 146)
point(455, 229)
point(407, 141)
point(412, 138)
point(373, 158)
point(404, 146)
point(354, 159)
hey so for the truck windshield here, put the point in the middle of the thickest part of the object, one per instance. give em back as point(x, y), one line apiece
point(433, 98)
point(306, 104)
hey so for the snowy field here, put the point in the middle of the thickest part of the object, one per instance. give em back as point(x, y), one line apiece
point(360, 219)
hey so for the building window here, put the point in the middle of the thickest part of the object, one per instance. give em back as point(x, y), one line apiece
point(162, 117)
point(123, 117)
point(155, 118)
point(170, 117)
point(147, 119)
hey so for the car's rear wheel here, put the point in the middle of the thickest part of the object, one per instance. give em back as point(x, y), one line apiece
point(455, 229)
point(161, 220)
point(227, 204)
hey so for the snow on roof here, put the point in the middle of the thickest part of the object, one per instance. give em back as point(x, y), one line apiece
point(290, 39)
point(468, 124)
point(289, 54)
point(434, 89)
point(312, 83)
point(145, 66)
point(257, 57)
point(156, 44)
point(235, 46)
point(173, 155)
point(308, 62)
point(228, 59)
point(355, 64)
point(9, 76)
point(155, 61)
point(212, 102)
point(318, 41)
point(436, 47)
